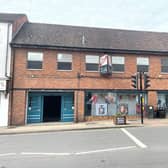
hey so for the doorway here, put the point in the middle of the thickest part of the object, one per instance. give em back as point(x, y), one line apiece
point(52, 108)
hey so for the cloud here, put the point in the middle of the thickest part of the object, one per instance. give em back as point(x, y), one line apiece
point(125, 14)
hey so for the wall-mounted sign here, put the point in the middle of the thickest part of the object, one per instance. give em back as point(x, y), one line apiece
point(2, 85)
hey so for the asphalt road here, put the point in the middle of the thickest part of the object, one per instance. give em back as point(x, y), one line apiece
point(145, 147)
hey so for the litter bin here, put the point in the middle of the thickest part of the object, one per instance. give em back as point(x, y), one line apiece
point(161, 113)
point(150, 110)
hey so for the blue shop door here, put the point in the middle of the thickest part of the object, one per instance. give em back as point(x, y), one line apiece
point(34, 112)
point(67, 111)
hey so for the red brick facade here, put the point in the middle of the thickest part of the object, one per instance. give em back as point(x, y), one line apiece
point(51, 78)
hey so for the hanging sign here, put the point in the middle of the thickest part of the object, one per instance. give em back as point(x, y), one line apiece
point(105, 65)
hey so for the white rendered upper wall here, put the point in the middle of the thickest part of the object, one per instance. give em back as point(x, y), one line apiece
point(5, 49)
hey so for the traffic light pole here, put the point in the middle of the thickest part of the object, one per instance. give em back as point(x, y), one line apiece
point(141, 96)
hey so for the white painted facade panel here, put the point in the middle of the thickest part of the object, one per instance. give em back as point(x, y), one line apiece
point(5, 60)
point(4, 101)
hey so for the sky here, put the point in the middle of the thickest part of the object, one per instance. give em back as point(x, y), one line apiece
point(148, 15)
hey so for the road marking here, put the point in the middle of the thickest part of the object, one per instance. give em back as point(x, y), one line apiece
point(43, 153)
point(7, 154)
point(105, 150)
point(133, 138)
point(78, 153)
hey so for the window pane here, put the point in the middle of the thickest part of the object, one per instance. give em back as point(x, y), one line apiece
point(35, 56)
point(118, 67)
point(34, 60)
point(64, 66)
point(92, 67)
point(92, 59)
point(34, 65)
point(164, 69)
point(142, 61)
point(164, 61)
point(64, 58)
point(142, 68)
point(118, 60)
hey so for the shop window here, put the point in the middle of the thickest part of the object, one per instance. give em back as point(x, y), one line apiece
point(64, 61)
point(92, 62)
point(142, 64)
point(100, 104)
point(118, 64)
point(164, 65)
point(34, 60)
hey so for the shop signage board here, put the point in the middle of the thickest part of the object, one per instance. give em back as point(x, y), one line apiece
point(120, 120)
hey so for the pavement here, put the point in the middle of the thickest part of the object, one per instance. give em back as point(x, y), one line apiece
point(62, 126)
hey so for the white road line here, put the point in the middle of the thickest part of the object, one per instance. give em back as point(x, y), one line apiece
point(133, 138)
point(78, 153)
point(105, 150)
point(43, 153)
point(7, 154)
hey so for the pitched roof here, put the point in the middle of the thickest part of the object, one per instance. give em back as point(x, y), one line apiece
point(10, 17)
point(48, 35)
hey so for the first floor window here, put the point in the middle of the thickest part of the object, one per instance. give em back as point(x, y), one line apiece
point(64, 61)
point(118, 64)
point(164, 65)
point(92, 63)
point(142, 64)
point(34, 60)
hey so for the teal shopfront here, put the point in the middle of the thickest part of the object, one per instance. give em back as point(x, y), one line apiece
point(50, 107)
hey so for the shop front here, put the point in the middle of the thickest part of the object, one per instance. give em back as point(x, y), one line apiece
point(162, 102)
point(106, 104)
point(50, 107)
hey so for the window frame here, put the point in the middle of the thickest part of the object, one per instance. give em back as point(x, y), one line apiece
point(91, 62)
point(120, 64)
point(40, 60)
point(64, 62)
point(161, 65)
point(144, 63)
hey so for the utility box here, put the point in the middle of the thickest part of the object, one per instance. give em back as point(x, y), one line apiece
point(150, 111)
point(161, 113)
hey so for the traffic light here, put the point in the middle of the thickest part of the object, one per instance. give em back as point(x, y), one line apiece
point(146, 81)
point(134, 80)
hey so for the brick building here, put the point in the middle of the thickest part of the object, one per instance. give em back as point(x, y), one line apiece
point(10, 24)
point(56, 72)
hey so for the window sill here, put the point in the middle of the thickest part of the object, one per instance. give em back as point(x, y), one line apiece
point(64, 70)
point(35, 69)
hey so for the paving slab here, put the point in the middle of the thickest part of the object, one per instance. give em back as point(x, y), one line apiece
point(60, 126)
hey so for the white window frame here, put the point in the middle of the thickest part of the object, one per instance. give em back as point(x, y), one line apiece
point(119, 60)
point(92, 59)
point(144, 61)
point(161, 65)
point(33, 54)
point(64, 59)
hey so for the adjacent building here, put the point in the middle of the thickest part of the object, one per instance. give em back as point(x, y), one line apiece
point(10, 24)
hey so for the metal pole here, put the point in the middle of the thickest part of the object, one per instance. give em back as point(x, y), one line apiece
point(141, 97)
point(141, 109)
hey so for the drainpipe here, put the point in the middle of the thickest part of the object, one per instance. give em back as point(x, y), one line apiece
point(12, 83)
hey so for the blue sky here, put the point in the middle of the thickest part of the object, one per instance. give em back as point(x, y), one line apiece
point(147, 15)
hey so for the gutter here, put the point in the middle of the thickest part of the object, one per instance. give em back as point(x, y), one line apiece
point(103, 50)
